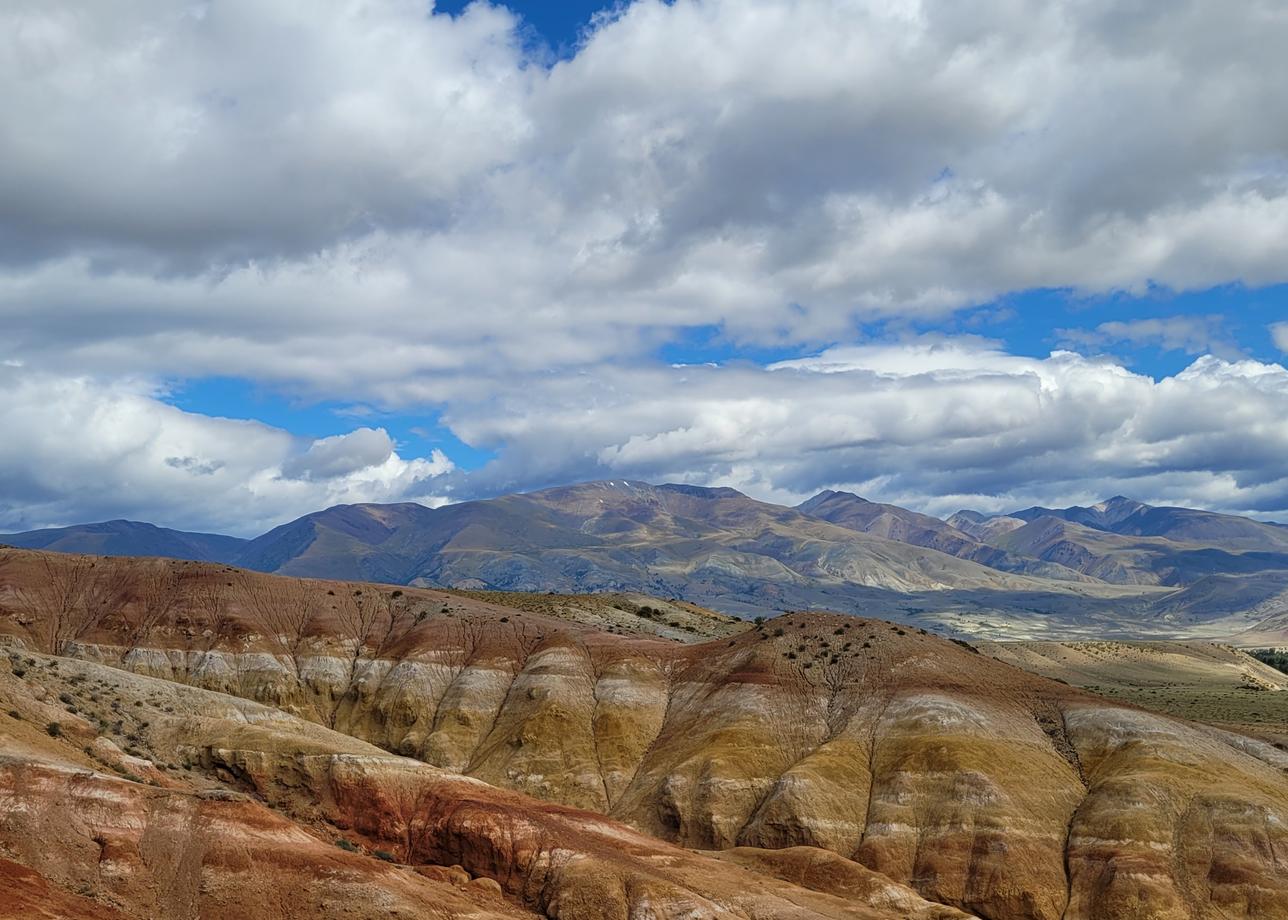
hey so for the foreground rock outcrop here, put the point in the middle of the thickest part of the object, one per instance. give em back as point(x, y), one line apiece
point(857, 762)
point(256, 813)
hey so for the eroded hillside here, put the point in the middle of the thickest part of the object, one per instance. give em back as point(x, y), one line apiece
point(839, 753)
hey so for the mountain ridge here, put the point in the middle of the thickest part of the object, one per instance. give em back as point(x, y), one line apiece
point(1033, 574)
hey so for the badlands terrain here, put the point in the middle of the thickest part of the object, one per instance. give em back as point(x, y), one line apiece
point(195, 740)
point(1118, 569)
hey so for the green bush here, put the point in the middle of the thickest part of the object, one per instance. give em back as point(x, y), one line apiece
point(1276, 659)
point(55, 730)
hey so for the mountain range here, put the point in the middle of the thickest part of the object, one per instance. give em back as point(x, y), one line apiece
point(1119, 567)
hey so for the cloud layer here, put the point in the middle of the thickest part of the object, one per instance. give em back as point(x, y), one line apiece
point(938, 424)
point(79, 450)
point(422, 213)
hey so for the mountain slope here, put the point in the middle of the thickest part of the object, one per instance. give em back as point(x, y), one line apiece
point(1132, 518)
point(849, 510)
point(130, 538)
point(712, 546)
point(1133, 559)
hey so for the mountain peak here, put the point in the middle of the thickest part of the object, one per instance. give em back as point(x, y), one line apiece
point(830, 496)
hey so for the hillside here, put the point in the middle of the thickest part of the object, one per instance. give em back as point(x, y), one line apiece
point(814, 766)
point(130, 538)
point(1186, 525)
point(895, 523)
point(1193, 680)
point(1112, 557)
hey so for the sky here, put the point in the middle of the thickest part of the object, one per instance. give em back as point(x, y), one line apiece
point(259, 257)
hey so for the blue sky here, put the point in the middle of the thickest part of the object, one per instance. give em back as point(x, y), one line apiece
point(939, 260)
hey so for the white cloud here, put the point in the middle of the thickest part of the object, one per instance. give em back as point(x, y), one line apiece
point(76, 449)
point(933, 423)
point(1194, 335)
point(411, 211)
point(194, 199)
point(1279, 332)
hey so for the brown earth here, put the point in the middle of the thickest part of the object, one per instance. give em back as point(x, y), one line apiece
point(840, 766)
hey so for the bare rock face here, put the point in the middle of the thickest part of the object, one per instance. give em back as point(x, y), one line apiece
point(183, 855)
point(580, 770)
point(245, 832)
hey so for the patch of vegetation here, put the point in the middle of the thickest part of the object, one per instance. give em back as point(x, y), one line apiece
point(385, 855)
point(1276, 658)
point(55, 730)
point(348, 845)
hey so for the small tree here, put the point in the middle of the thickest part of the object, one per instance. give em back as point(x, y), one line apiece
point(285, 612)
point(157, 591)
point(72, 596)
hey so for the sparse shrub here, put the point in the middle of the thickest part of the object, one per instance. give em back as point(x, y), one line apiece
point(778, 631)
point(385, 855)
point(55, 730)
point(15, 714)
point(759, 621)
point(347, 845)
point(19, 672)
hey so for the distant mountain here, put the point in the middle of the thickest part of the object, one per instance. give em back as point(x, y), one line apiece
point(1132, 518)
point(981, 526)
point(1126, 542)
point(849, 510)
point(668, 540)
point(1117, 568)
point(130, 538)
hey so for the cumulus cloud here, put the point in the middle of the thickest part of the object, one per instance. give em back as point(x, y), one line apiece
point(933, 423)
point(193, 196)
point(1279, 332)
point(77, 449)
point(384, 205)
